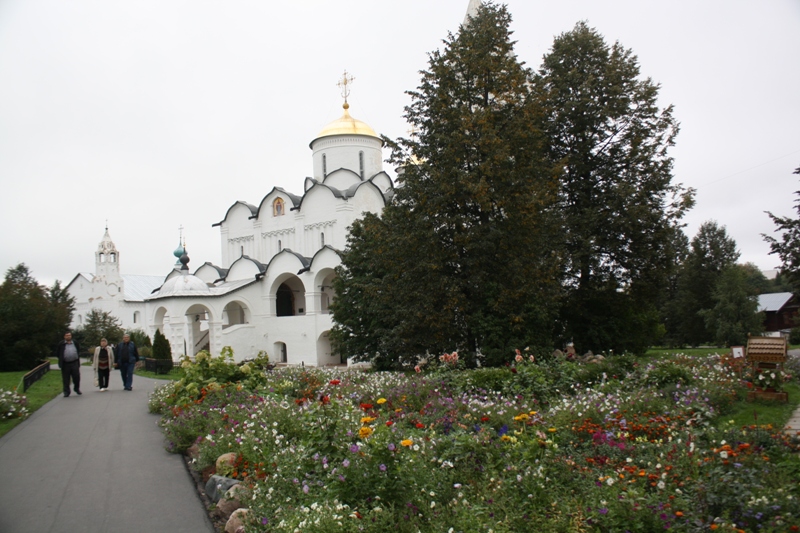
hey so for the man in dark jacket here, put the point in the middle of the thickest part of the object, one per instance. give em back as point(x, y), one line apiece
point(69, 362)
point(126, 356)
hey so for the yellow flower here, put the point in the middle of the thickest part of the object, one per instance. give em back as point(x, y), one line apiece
point(505, 438)
point(521, 418)
point(367, 420)
point(381, 401)
point(552, 430)
point(407, 443)
point(365, 432)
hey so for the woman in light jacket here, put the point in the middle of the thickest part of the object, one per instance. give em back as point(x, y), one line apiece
point(103, 363)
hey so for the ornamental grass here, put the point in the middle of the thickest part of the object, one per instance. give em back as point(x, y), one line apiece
point(548, 445)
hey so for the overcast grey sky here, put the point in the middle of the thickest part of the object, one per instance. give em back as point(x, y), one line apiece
point(159, 113)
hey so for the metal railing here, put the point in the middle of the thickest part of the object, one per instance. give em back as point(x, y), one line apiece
point(35, 375)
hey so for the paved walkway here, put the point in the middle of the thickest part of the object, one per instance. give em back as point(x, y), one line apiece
point(96, 463)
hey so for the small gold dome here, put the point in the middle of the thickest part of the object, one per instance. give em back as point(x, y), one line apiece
point(346, 125)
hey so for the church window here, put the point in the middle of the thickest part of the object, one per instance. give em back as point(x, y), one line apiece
point(277, 207)
point(279, 245)
point(324, 165)
point(322, 239)
point(113, 258)
point(361, 164)
point(102, 258)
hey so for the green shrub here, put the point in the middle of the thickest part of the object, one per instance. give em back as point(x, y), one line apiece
point(161, 347)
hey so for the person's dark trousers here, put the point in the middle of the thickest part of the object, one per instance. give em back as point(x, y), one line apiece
point(71, 370)
point(102, 377)
point(126, 370)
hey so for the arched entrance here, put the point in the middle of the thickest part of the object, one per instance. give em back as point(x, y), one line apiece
point(198, 317)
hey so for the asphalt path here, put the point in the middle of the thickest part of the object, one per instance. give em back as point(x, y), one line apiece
point(96, 463)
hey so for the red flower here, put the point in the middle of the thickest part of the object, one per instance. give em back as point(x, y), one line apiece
point(420, 425)
point(334, 382)
point(366, 406)
point(325, 400)
point(389, 423)
point(484, 419)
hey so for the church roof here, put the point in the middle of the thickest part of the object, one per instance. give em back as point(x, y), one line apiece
point(209, 291)
point(137, 288)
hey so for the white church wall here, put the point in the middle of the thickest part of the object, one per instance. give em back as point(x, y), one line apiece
point(342, 179)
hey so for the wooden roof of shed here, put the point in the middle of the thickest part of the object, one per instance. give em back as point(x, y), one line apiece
point(766, 348)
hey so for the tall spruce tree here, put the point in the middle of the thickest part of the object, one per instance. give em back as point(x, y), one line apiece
point(620, 207)
point(464, 258)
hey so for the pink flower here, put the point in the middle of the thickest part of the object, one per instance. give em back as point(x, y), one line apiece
point(417, 369)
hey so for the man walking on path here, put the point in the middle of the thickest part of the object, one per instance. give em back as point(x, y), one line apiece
point(127, 355)
point(69, 362)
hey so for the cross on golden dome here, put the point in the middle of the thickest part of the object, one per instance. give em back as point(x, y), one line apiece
point(344, 84)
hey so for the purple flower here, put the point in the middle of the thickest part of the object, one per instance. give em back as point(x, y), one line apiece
point(603, 510)
point(305, 489)
point(391, 447)
point(382, 468)
point(264, 520)
point(346, 463)
point(354, 448)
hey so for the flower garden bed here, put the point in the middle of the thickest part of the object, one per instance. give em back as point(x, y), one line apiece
point(535, 446)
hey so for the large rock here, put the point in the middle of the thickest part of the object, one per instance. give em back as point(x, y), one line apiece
point(217, 486)
point(225, 463)
point(236, 521)
point(232, 499)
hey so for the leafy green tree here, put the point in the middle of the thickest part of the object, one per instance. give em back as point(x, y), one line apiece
point(734, 314)
point(32, 319)
point(609, 140)
point(59, 316)
point(100, 324)
point(161, 347)
point(757, 282)
point(465, 257)
point(712, 251)
point(787, 247)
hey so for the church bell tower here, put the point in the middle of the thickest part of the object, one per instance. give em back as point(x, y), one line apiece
point(106, 266)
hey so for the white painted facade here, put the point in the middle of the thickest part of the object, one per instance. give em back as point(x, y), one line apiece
point(274, 289)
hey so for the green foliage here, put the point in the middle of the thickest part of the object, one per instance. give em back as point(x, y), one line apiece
point(32, 319)
point(100, 325)
point(712, 251)
point(735, 314)
point(794, 335)
point(464, 256)
point(620, 210)
point(787, 246)
point(161, 347)
point(139, 338)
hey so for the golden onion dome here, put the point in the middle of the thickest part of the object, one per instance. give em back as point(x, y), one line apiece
point(346, 125)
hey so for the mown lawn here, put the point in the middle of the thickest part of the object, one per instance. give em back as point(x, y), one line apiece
point(39, 394)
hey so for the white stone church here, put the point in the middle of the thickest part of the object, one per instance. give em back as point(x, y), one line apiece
point(273, 289)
